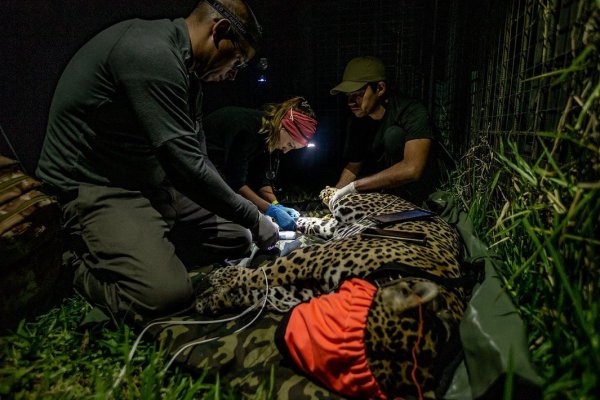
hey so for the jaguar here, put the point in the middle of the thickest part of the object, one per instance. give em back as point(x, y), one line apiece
point(413, 306)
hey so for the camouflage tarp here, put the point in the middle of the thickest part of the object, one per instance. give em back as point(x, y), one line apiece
point(245, 360)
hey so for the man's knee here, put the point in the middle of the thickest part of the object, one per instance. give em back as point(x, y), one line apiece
point(150, 295)
point(165, 296)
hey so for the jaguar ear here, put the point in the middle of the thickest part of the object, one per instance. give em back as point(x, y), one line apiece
point(405, 294)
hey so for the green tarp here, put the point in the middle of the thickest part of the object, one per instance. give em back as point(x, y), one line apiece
point(492, 333)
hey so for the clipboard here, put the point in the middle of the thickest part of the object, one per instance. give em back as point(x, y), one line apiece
point(402, 216)
point(411, 237)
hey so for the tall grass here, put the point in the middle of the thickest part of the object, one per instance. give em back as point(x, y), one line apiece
point(541, 214)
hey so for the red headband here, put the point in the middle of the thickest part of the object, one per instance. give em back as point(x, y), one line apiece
point(300, 126)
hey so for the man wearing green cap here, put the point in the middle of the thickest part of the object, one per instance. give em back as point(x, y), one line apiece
point(394, 149)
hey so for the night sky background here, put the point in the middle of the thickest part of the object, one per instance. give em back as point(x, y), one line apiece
point(307, 44)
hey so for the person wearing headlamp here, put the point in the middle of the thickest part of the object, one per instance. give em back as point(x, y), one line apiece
point(244, 144)
point(125, 154)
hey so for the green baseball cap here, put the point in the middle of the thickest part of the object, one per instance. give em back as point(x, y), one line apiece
point(360, 71)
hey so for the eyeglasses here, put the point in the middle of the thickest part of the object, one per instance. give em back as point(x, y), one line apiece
point(240, 30)
point(240, 63)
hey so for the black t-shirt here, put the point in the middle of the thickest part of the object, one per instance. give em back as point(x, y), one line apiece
point(380, 144)
point(360, 133)
point(126, 113)
point(236, 148)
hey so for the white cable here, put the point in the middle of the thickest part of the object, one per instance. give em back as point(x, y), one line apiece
point(243, 262)
point(176, 322)
point(191, 344)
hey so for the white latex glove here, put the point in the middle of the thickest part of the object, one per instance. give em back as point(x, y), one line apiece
point(265, 233)
point(346, 190)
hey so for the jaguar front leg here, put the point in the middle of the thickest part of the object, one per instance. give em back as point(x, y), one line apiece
point(321, 227)
point(229, 288)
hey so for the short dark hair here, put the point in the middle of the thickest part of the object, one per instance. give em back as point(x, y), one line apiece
point(242, 18)
point(373, 85)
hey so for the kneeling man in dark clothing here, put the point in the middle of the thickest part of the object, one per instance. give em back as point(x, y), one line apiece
point(126, 155)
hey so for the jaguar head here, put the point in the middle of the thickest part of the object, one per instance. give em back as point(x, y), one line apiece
point(326, 194)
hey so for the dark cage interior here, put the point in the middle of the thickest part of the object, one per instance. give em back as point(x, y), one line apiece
point(468, 61)
point(306, 44)
point(512, 87)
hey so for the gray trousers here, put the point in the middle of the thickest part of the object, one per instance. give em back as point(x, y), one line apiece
point(131, 250)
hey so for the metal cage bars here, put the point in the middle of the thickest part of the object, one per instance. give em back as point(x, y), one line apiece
point(535, 37)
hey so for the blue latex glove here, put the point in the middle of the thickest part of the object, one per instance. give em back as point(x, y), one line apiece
point(281, 217)
point(290, 211)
